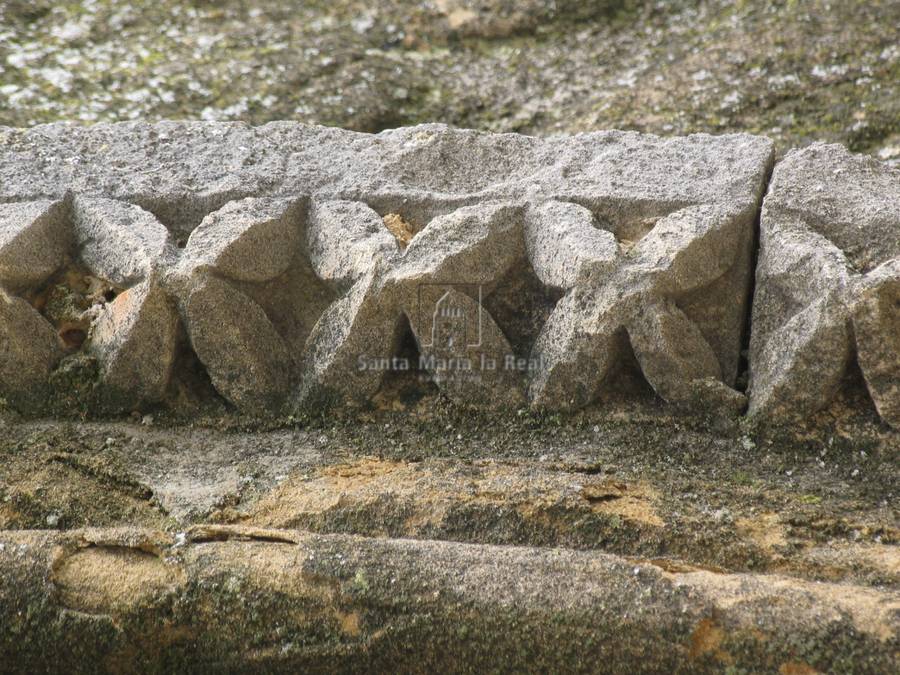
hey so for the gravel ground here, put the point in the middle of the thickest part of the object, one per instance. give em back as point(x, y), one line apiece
point(796, 71)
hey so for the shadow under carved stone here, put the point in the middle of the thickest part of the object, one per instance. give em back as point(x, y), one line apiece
point(827, 284)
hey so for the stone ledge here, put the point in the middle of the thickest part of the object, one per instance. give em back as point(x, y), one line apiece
point(237, 597)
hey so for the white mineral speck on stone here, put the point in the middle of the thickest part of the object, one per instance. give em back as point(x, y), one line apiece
point(73, 30)
point(363, 24)
point(780, 81)
point(731, 100)
point(17, 59)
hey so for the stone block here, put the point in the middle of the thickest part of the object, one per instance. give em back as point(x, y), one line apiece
point(310, 255)
point(827, 284)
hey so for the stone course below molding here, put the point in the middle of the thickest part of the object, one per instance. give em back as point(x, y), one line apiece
point(245, 598)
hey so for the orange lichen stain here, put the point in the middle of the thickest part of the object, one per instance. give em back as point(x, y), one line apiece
point(632, 502)
point(363, 469)
point(429, 491)
point(706, 640)
point(113, 580)
point(764, 530)
point(402, 230)
point(349, 622)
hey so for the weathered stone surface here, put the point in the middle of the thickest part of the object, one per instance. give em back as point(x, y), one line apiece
point(101, 247)
point(649, 240)
point(632, 295)
point(827, 283)
point(119, 242)
point(436, 284)
point(564, 243)
point(344, 237)
point(315, 248)
point(184, 170)
point(248, 240)
point(135, 339)
point(228, 597)
point(247, 360)
point(29, 348)
point(34, 241)
point(876, 323)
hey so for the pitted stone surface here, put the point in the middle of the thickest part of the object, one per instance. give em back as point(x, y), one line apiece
point(827, 284)
point(247, 240)
point(33, 242)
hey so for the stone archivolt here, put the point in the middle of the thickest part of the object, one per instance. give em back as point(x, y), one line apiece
point(459, 257)
point(286, 294)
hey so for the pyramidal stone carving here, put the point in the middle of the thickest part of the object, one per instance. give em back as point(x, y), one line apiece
point(246, 242)
point(827, 284)
point(439, 278)
point(617, 295)
point(80, 267)
point(294, 261)
point(34, 242)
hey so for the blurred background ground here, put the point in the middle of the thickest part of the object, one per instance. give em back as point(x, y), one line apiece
point(795, 70)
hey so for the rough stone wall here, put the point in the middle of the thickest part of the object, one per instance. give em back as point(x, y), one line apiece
point(284, 265)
